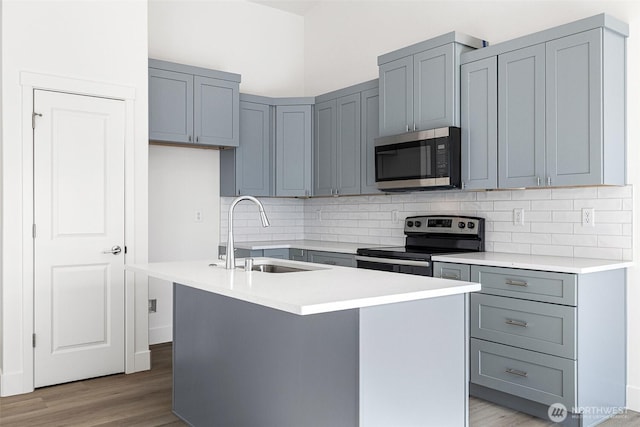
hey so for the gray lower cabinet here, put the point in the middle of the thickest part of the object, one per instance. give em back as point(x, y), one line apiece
point(451, 271)
point(419, 85)
point(293, 150)
point(539, 338)
point(280, 253)
point(561, 108)
point(332, 258)
point(192, 105)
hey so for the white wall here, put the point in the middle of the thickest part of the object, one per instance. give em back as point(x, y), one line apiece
point(181, 182)
point(262, 44)
point(343, 39)
point(98, 41)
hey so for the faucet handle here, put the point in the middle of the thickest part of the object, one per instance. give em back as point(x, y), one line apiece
point(248, 264)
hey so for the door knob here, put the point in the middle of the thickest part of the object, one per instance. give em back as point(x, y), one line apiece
point(114, 250)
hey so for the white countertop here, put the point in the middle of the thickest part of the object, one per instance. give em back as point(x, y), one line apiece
point(327, 289)
point(535, 262)
point(310, 245)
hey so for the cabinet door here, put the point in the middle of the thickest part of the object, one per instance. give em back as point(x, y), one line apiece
point(324, 145)
point(276, 253)
point(369, 132)
point(216, 120)
point(348, 145)
point(396, 96)
point(574, 109)
point(253, 156)
point(521, 117)
point(293, 150)
point(170, 106)
point(434, 92)
point(479, 115)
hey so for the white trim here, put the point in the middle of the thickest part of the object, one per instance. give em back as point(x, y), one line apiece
point(22, 382)
point(633, 398)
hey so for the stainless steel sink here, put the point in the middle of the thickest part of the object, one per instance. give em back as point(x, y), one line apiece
point(272, 268)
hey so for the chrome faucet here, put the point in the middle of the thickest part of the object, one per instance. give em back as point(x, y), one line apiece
point(231, 256)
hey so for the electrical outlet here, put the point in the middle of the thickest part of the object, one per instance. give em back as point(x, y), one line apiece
point(153, 304)
point(588, 217)
point(197, 216)
point(518, 216)
point(395, 217)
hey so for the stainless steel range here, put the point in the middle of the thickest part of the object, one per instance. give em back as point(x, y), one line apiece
point(426, 235)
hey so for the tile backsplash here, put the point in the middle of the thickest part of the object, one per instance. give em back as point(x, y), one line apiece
point(552, 219)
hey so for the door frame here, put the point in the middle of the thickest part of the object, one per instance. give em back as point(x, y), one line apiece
point(137, 355)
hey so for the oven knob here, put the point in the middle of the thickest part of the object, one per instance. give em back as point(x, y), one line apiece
point(461, 224)
point(471, 225)
point(409, 223)
point(418, 223)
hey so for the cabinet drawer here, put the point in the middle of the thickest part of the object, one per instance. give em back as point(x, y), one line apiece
point(331, 258)
point(528, 374)
point(557, 288)
point(452, 271)
point(547, 328)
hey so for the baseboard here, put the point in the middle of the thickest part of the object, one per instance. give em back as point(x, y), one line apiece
point(12, 384)
point(160, 335)
point(142, 361)
point(633, 398)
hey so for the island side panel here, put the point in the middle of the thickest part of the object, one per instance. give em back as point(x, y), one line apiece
point(241, 364)
point(413, 364)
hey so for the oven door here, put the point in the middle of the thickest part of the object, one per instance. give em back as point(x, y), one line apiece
point(420, 268)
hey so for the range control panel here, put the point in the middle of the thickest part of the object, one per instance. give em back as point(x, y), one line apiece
point(443, 224)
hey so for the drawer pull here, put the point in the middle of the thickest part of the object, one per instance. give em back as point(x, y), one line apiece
point(451, 276)
point(515, 283)
point(516, 372)
point(516, 323)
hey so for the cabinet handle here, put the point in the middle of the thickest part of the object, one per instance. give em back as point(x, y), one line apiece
point(450, 276)
point(516, 372)
point(330, 262)
point(515, 283)
point(197, 139)
point(517, 323)
point(414, 127)
point(407, 127)
point(189, 138)
point(538, 178)
point(549, 181)
point(463, 185)
point(337, 191)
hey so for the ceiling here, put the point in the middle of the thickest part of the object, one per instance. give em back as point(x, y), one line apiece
point(298, 7)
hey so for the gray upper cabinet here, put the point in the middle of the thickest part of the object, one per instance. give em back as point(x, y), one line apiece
point(293, 150)
point(396, 96)
point(369, 132)
point(521, 117)
point(247, 170)
point(170, 106)
point(192, 105)
point(419, 84)
point(324, 147)
point(337, 146)
point(561, 106)
point(479, 111)
point(346, 124)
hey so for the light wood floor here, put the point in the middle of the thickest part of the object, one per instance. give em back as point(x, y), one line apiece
point(144, 399)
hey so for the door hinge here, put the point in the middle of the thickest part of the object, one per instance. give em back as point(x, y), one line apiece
point(33, 340)
point(33, 119)
point(33, 231)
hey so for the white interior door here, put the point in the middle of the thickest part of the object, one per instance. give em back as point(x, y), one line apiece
point(79, 217)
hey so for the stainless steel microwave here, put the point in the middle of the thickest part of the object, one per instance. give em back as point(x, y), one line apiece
point(423, 160)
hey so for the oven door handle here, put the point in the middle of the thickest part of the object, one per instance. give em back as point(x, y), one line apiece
point(393, 261)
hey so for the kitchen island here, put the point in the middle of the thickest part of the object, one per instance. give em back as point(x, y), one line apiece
point(327, 346)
